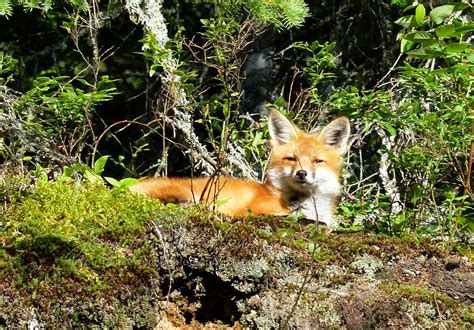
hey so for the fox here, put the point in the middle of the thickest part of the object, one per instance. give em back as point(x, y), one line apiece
point(302, 177)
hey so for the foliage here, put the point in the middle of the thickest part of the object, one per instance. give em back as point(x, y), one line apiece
point(7, 68)
point(279, 13)
point(190, 92)
point(6, 6)
point(427, 153)
point(59, 105)
point(442, 33)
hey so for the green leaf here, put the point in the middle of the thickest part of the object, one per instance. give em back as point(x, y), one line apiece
point(92, 177)
point(221, 201)
point(456, 48)
point(313, 247)
point(292, 218)
point(419, 36)
point(6, 8)
point(389, 128)
point(112, 181)
point(445, 31)
point(99, 164)
point(127, 182)
point(439, 14)
point(460, 6)
point(425, 53)
point(420, 13)
point(410, 7)
point(314, 235)
point(225, 108)
point(406, 21)
point(283, 232)
point(469, 27)
point(406, 45)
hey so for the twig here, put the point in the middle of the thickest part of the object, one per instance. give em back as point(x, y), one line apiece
point(165, 256)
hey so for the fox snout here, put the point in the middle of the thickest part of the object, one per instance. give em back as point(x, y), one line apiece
point(301, 175)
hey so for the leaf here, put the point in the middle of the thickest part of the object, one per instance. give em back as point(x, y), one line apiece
point(292, 218)
point(6, 8)
point(314, 235)
point(464, 28)
point(460, 6)
point(456, 48)
point(389, 128)
point(283, 232)
point(439, 14)
point(99, 164)
point(419, 36)
point(425, 53)
point(92, 177)
point(127, 182)
point(313, 247)
point(406, 21)
point(400, 34)
point(410, 7)
point(420, 13)
point(221, 201)
point(406, 45)
point(112, 181)
point(445, 31)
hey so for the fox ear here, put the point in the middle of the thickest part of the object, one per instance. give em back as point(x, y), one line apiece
point(281, 129)
point(336, 134)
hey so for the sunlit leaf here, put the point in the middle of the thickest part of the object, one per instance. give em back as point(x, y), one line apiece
point(406, 21)
point(445, 31)
point(439, 14)
point(456, 48)
point(420, 13)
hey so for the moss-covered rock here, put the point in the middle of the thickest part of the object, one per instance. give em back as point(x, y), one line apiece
point(79, 255)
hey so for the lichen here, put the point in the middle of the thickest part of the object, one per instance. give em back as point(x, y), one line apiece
point(367, 264)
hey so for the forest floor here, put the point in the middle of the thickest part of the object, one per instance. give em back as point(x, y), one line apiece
point(176, 268)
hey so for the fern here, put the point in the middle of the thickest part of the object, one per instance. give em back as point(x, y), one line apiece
point(6, 8)
point(295, 12)
point(279, 13)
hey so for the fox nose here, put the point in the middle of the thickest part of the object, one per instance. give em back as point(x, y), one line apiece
point(301, 174)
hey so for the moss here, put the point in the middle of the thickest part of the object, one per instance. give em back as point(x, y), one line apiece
point(62, 241)
point(424, 297)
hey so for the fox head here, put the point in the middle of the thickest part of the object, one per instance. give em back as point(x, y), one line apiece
point(303, 164)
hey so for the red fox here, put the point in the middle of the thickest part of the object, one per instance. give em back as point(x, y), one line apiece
point(302, 175)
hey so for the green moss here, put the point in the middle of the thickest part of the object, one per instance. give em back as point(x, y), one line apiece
point(61, 241)
point(423, 295)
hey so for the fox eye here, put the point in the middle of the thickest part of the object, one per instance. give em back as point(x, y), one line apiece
point(291, 159)
point(318, 161)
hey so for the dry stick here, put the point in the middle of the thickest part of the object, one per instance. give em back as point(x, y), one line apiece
point(306, 276)
point(96, 144)
point(467, 185)
point(389, 71)
point(300, 290)
point(165, 255)
point(388, 183)
point(210, 161)
point(199, 148)
point(93, 26)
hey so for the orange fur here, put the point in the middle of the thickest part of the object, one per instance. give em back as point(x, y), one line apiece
point(286, 190)
point(234, 197)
